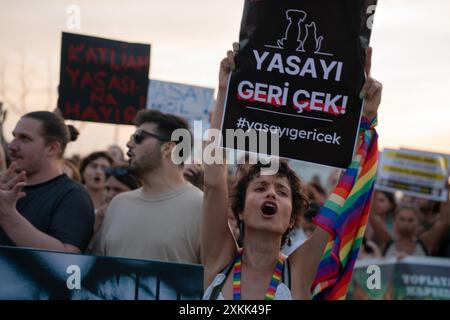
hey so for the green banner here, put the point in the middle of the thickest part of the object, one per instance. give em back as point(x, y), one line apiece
point(412, 278)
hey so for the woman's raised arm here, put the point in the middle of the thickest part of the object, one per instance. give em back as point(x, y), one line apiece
point(218, 245)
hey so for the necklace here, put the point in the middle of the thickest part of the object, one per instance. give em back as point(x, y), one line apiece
point(276, 277)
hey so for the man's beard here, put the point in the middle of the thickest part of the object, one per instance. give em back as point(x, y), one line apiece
point(147, 163)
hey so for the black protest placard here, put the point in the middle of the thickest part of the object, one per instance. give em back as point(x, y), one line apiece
point(299, 72)
point(27, 274)
point(102, 80)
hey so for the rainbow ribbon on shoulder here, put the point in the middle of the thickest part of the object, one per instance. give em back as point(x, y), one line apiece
point(344, 216)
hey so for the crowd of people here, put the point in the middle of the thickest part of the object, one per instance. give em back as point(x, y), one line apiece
point(148, 207)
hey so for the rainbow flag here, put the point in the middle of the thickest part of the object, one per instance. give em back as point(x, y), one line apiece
point(344, 216)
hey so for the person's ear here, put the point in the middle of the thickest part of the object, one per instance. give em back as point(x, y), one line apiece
point(166, 149)
point(53, 149)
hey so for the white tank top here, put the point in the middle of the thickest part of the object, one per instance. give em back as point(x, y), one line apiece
point(282, 293)
point(390, 250)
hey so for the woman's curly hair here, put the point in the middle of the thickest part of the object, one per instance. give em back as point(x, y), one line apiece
point(300, 201)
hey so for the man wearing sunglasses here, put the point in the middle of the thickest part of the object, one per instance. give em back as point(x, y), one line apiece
point(161, 220)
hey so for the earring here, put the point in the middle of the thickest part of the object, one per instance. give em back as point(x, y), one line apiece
point(240, 236)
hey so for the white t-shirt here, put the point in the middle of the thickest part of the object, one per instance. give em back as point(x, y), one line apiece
point(164, 227)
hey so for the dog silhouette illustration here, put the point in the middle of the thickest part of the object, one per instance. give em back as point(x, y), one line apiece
point(293, 33)
point(311, 42)
point(299, 35)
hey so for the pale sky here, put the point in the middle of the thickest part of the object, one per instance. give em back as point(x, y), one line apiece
point(411, 41)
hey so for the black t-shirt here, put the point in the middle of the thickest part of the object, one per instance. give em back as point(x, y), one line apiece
point(60, 208)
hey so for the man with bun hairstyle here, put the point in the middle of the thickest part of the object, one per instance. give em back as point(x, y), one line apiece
point(40, 207)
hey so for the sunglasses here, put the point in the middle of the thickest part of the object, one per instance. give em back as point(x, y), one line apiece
point(140, 135)
point(117, 171)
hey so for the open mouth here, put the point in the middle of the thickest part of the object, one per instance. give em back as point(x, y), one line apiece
point(130, 155)
point(269, 208)
point(97, 179)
